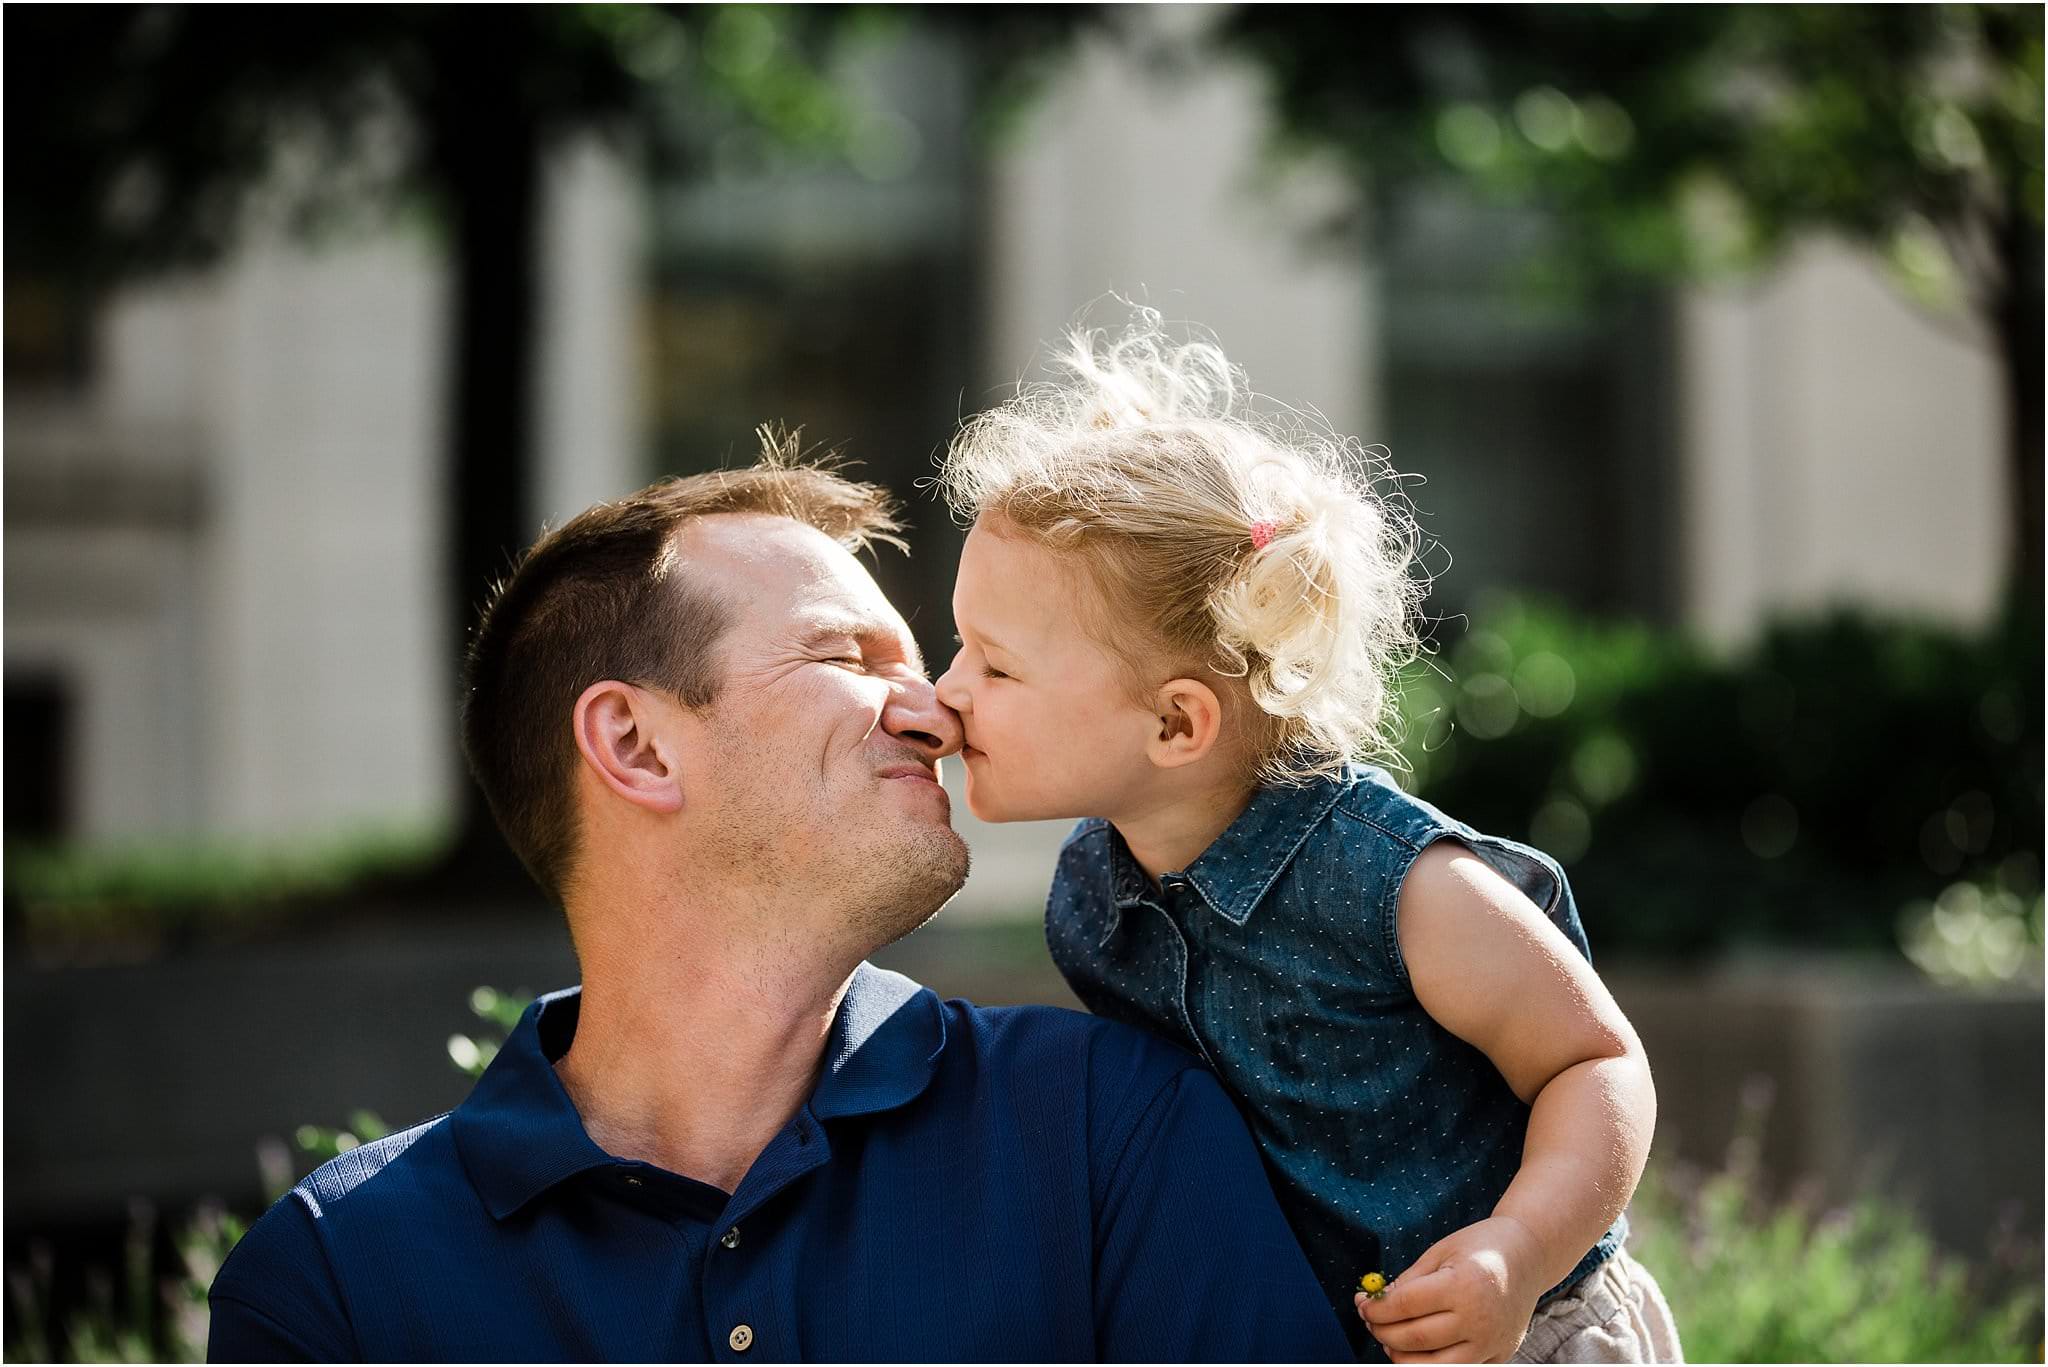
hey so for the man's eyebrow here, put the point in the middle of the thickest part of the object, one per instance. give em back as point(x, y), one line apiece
point(864, 630)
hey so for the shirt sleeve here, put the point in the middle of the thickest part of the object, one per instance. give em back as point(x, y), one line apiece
point(1195, 1261)
point(276, 1298)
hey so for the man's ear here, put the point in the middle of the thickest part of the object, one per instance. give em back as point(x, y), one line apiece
point(616, 733)
point(1190, 717)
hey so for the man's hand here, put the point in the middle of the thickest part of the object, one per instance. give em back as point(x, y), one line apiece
point(1468, 1299)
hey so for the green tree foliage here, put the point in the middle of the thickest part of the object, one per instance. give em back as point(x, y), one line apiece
point(1696, 140)
point(1805, 793)
point(147, 137)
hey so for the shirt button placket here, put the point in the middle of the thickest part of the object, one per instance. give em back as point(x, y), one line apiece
point(742, 1336)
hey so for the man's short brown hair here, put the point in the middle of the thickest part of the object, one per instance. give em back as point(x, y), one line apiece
point(600, 598)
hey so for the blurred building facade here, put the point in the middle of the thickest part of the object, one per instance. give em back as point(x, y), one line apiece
point(222, 544)
point(221, 555)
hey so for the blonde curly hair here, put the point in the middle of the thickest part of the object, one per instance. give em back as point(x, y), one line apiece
point(1265, 550)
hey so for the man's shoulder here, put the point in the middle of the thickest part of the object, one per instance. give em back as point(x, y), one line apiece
point(397, 1177)
point(1056, 1042)
point(282, 1290)
point(421, 1161)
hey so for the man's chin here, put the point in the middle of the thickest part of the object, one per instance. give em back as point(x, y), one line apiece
point(929, 873)
point(951, 860)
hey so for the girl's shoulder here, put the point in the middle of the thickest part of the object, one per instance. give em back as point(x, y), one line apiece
point(1376, 821)
point(1373, 806)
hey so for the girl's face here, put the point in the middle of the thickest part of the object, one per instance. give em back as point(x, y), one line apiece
point(1050, 730)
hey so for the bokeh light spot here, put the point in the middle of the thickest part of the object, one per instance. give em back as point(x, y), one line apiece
point(885, 147)
point(1468, 136)
point(740, 41)
point(1770, 826)
point(1561, 828)
point(1547, 117)
point(1998, 716)
point(1545, 684)
point(654, 50)
point(1938, 847)
point(1605, 129)
point(1487, 708)
point(1604, 767)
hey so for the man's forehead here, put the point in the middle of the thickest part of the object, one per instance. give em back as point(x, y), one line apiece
point(760, 555)
point(798, 581)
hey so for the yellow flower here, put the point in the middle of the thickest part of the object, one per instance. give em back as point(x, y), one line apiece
point(1373, 1285)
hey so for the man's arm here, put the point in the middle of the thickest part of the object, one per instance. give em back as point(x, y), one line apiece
point(276, 1299)
point(1195, 1261)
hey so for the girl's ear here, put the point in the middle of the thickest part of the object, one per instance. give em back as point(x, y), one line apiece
point(617, 734)
point(1190, 719)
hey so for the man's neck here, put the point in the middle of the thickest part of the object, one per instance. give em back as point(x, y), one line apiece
point(694, 1062)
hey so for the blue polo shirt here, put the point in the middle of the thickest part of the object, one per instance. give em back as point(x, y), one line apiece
point(963, 1184)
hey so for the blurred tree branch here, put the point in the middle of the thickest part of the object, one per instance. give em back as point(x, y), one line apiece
point(1694, 141)
point(152, 138)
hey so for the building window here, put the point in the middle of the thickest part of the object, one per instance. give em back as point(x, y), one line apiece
point(40, 718)
point(1544, 424)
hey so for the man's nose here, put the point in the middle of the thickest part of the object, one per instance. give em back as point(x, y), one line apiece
point(915, 714)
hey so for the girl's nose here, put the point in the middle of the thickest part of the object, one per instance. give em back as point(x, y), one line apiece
point(952, 688)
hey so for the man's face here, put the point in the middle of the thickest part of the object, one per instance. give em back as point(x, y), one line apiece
point(821, 750)
point(1050, 730)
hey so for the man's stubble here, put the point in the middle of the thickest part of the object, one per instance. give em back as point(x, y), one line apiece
point(877, 874)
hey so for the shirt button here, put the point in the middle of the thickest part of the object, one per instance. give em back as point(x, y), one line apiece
point(731, 1238)
point(741, 1338)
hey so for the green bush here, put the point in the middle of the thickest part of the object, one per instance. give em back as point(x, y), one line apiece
point(155, 1318)
point(65, 900)
point(1749, 1282)
point(1801, 794)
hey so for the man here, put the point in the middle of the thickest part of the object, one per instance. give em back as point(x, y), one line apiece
point(708, 734)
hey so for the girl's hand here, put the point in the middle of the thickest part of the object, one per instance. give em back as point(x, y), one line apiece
point(1468, 1299)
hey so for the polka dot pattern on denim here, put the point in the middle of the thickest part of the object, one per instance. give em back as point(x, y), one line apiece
point(1273, 957)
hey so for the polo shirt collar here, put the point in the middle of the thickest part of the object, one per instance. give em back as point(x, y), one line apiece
point(519, 1134)
point(884, 1046)
point(1241, 865)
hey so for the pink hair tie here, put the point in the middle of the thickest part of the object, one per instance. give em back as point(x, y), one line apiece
point(1262, 532)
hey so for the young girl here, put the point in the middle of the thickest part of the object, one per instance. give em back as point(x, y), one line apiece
point(1181, 622)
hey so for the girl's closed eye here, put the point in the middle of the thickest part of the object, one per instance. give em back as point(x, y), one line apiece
point(988, 671)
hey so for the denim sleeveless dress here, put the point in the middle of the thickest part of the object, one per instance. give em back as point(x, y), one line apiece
point(1273, 957)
